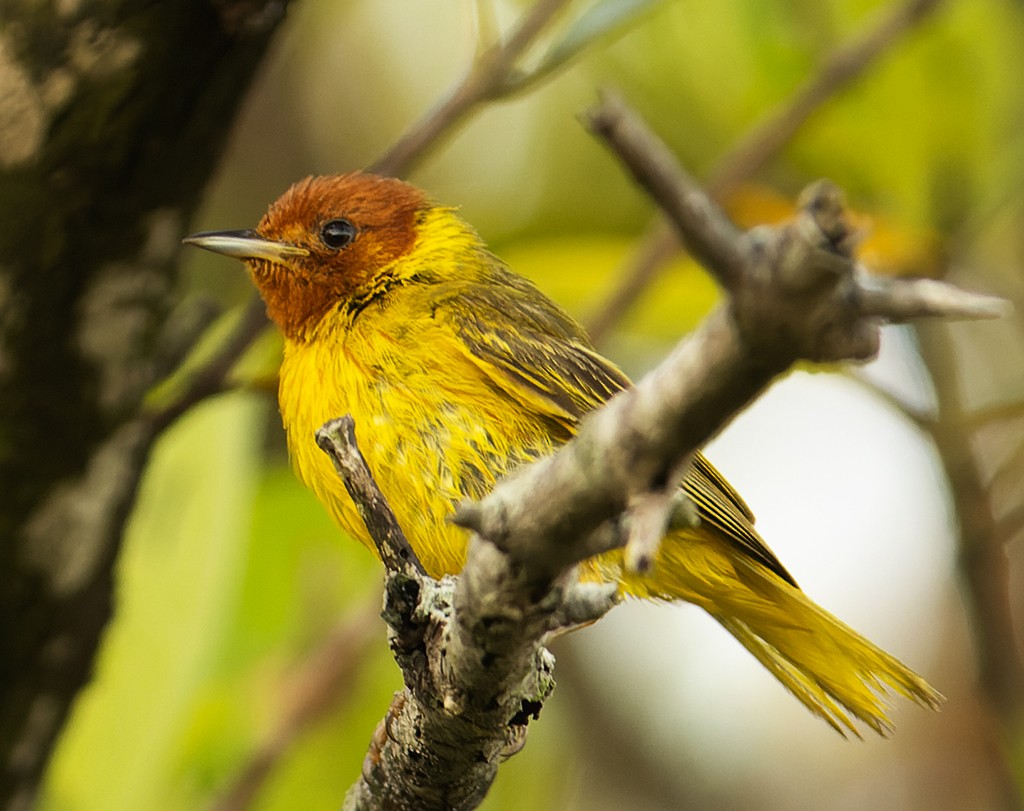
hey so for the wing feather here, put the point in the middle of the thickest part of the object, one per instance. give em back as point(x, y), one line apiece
point(538, 355)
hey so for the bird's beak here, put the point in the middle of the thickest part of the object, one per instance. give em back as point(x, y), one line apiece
point(245, 245)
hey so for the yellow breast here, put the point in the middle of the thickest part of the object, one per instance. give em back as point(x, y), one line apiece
point(431, 429)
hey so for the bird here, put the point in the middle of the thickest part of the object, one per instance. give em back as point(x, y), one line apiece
point(457, 371)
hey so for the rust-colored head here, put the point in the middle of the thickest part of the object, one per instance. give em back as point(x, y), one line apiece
point(324, 241)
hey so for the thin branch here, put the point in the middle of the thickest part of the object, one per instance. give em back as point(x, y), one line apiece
point(495, 75)
point(710, 235)
point(817, 250)
point(211, 378)
point(1012, 524)
point(898, 302)
point(1010, 472)
point(338, 439)
point(484, 81)
point(795, 294)
point(649, 517)
point(600, 20)
point(982, 417)
point(841, 68)
point(760, 145)
point(921, 419)
point(470, 654)
point(182, 331)
point(654, 248)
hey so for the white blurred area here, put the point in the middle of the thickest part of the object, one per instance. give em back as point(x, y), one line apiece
point(849, 495)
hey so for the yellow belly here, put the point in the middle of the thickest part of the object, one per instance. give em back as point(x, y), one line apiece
point(428, 429)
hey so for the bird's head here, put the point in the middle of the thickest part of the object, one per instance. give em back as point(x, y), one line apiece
point(324, 241)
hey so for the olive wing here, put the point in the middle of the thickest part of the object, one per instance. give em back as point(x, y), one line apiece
point(542, 359)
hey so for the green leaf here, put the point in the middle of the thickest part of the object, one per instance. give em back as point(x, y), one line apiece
point(603, 18)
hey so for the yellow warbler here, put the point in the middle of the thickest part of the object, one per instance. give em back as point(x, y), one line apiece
point(457, 371)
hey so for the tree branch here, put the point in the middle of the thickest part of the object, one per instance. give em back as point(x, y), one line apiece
point(901, 301)
point(338, 440)
point(759, 145)
point(471, 649)
point(485, 80)
point(839, 70)
point(983, 417)
point(210, 379)
point(470, 653)
point(919, 418)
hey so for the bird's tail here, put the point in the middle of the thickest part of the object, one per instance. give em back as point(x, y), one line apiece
point(834, 671)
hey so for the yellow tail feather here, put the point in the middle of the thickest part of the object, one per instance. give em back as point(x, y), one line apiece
point(835, 672)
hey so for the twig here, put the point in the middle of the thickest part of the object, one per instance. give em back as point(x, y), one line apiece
point(598, 20)
point(463, 708)
point(649, 516)
point(841, 68)
point(762, 143)
point(998, 413)
point(210, 379)
point(471, 650)
point(795, 294)
point(1011, 524)
point(711, 236)
point(914, 298)
point(817, 248)
point(495, 75)
point(485, 80)
point(338, 439)
point(1010, 471)
point(654, 248)
point(324, 680)
point(921, 419)
point(182, 331)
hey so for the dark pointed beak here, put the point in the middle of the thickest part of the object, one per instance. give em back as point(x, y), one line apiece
point(245, 245)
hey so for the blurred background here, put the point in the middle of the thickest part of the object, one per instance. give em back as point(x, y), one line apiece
point(880, 488)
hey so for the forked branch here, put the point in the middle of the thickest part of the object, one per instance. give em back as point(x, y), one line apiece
point(471, 648)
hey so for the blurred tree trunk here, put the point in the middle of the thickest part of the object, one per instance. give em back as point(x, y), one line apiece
point(113, 114)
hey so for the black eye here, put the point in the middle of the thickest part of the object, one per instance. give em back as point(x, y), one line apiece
point(337, 234)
